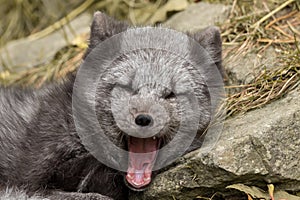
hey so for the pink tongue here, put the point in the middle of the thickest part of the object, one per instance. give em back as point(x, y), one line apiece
point(142, 156)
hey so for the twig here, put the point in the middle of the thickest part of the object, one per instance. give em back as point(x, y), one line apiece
point(281, 18)
point(286, 84)
point(293, 28)
point(232, 9)
point(237, 86)
point(272, 13)
point(266, 40)
point(57, 25)
point(282, 32)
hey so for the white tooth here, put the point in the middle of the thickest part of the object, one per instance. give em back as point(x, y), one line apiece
point(135, 183)
point(147, 179)
point(154, 138)
point(129, 176)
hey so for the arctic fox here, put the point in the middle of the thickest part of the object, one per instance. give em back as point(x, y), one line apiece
point(41, 152)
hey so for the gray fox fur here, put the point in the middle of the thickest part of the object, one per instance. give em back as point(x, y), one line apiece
point(41, 154)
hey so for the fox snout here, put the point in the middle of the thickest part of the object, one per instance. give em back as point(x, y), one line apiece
point(143, 120)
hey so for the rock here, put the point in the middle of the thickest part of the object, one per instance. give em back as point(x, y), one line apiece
point(257, 148)
point(243, 69)
point(27, 52)
point(199, 16)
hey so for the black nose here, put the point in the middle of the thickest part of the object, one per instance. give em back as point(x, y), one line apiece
point(143, 120)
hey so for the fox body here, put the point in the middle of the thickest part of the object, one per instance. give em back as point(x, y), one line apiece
point(41, 151)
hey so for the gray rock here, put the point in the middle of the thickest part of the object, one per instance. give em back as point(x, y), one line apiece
point(199, 16)
point(257, 148)
point(242, 69)
point(27, 52)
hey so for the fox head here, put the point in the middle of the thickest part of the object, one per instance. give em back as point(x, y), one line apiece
point(147, 95)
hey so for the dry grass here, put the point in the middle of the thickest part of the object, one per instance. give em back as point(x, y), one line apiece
point(267, 86)
point(253, 26)
point(20, 18)
point(66, 61)
point(253, 29)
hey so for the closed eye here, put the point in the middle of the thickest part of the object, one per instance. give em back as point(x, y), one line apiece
point(171, 95)
point(127, 88)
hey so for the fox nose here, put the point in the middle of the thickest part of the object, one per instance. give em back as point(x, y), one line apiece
point(143, 120)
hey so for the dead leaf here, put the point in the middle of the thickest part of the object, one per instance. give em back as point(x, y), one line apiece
point(255, 192)
point(282, 195)
point(249, 197)
point(271, 191)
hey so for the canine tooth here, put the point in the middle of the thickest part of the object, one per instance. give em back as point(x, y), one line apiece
point(147, 179)
point(154, 138)
point(129, 176)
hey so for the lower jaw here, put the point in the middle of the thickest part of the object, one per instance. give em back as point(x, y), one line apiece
point(144, 186)
point(133, 188)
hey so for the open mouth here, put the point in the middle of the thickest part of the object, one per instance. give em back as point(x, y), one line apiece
point(142, 156)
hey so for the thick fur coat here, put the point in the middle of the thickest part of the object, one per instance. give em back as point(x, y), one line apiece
point(40, 150)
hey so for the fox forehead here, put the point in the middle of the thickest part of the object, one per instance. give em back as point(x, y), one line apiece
point(152, 69)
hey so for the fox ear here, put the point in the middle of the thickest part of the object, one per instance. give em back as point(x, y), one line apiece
point(210, 40)
point(104, 27)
